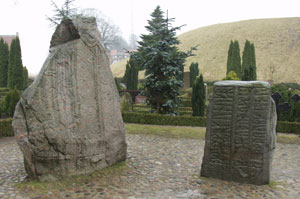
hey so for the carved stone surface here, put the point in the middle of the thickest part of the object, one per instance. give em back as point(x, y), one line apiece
point(240, 133)
point(68, 122)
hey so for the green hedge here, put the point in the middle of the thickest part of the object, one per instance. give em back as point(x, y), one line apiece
point(288, 127)
point(186, 103)
point(157, 119)
point(6, 128)
point(185, 109)
point(140, 118)
point(147, 118)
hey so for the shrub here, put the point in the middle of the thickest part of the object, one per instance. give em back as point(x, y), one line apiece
point(6, 128)
point(288, 127)
point(126, 103)
point(9, 103)
point(231, 76)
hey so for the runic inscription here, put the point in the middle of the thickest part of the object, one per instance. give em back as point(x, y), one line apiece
point(240, 137)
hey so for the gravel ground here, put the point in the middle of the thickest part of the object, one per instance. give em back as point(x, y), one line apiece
point(156, 168)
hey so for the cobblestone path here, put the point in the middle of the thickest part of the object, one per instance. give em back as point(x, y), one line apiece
point(157, 168)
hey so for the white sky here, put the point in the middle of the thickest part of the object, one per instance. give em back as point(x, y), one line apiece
point(27, 17)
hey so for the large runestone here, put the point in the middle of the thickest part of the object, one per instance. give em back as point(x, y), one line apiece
point(68, 121)
point(240, 133)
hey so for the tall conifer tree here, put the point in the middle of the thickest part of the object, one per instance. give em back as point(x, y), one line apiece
point(4, 54)
point(159, 55)
point(234, 58)
point(198, 97)
point(246, 64)
point(15, 66)
point(249, 62)
point(11, 65)
point(253, 75)
point(194, 72)
point(229, 58)
point(25, 77)
point(131, 75)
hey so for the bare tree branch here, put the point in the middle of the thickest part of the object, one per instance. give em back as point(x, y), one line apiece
point(110, 33)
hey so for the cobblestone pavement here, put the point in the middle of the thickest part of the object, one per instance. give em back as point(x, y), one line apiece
point(157, 168)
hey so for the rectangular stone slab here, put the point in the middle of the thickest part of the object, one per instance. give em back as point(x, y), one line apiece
point(240, 133)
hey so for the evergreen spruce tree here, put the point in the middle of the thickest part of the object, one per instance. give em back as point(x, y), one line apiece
point(194, 72)
point(4, 54)
point(159, 55)
point(198, 97)
point(66, 11)
point(15, 66)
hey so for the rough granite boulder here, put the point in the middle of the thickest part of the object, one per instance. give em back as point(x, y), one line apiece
point(68, 122)
point(240, 133)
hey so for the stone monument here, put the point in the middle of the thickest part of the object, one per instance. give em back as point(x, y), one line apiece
point(68, 121)
point(240, 133)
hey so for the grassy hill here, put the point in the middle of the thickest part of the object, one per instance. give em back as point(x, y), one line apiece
point(277, 45)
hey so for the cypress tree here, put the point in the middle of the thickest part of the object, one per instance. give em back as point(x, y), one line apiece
point(194, 72)
point(4, 54)
point(234, 58)
point(198, 97)
point(131, 75)
point(11, 65)
point(246, 63)
point(249, 62)
point(229, 58)
point(126, 74)
point(253, 75)
point(25, 77)
point(19, 66)
point(15, 66)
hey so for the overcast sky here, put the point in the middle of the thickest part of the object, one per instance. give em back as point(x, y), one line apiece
point(27, 17)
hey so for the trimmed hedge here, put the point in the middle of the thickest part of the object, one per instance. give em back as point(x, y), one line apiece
point(186, 103)
point(187, 109)
point(147, 118)
point(157, 119)
point(6, 128)
point(140, 118)
point(288, 127)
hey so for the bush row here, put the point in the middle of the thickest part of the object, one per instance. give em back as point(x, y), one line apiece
point(146, 118)
point(288, 127)
point(140, 118)
point(186, 103)
point(157, 119)
point(6, 128)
